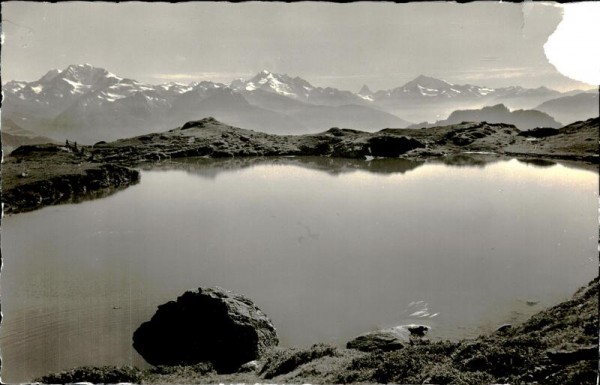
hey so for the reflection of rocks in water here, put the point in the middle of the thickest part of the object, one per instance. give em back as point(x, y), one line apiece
point(202, 166)
point(470, 160)
point(96, 194)
point(393, 166)
point(537, 162)
point(210, 168)
point(337, 166)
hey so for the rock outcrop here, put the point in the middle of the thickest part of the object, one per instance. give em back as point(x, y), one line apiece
point(209, 325)
point(384, 340)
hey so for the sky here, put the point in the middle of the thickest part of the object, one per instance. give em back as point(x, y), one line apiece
point(382, 45)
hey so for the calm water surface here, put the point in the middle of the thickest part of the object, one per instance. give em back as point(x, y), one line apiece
point(327, 248)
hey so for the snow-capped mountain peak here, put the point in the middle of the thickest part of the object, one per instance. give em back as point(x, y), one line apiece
point(423, 82)
point(176, 87)
point(426, 87)
point(365, 90)
point(14, 86)
point(237, 84)
point(87, 75)
point(366, 93)
point(53, 73)
point(281, 84)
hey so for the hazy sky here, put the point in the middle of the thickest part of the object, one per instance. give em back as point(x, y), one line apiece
point(382, 45)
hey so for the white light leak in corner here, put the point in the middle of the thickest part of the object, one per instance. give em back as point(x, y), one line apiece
point(574, 48)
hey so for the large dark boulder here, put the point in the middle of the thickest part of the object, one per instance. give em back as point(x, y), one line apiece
point(573, 354)
point(199, 123)
point(540, 132)
point(209, 325)
point(392, 146)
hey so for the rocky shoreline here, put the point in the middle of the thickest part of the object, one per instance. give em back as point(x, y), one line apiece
point(556, 346)
point(42, 175)
point(35, 176)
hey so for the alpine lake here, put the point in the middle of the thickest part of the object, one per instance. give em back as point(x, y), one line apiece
point(327, 248)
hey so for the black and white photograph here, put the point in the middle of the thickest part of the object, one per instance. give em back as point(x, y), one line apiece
point(299, 193)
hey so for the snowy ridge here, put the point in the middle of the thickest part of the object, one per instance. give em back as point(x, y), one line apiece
point(58, 87)
point(298, 89)
point(425, 87)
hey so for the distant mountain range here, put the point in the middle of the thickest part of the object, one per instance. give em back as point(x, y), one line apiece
point(87, 104)
point(572, 108)
point(522, 119)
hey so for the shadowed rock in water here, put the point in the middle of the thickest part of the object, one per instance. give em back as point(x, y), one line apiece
point(210, 325)
point(537, 162)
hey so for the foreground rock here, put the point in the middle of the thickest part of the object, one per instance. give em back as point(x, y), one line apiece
point(209, 325)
